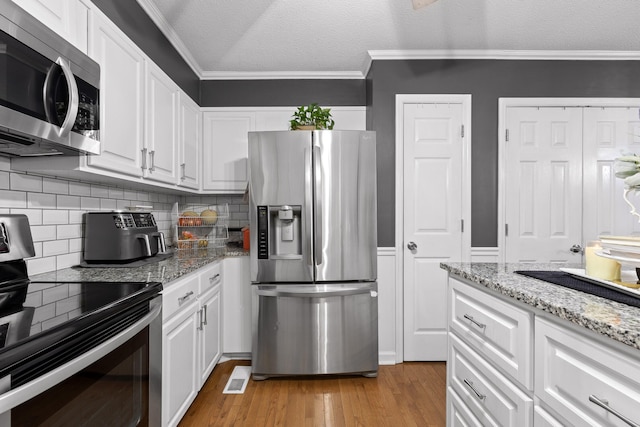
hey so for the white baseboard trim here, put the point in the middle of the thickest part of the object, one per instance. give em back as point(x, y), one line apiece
point(387, 358)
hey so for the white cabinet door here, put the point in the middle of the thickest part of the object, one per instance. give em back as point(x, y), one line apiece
point(179, 364)
point(68, 18)
point(161, 136)
point(237, 306)
point(225, 149)
point(190, 143)
point(209, 334)
point(122, 95)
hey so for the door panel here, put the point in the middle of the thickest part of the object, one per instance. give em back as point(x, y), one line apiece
point(432, 221)
point(346, 241)
point(543, 158)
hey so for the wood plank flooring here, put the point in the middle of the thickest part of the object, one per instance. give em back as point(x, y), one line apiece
point(408, 394)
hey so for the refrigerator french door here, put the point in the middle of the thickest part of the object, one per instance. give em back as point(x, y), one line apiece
point(313, 252)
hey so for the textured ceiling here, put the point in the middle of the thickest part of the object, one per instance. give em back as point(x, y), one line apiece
point(221, 38)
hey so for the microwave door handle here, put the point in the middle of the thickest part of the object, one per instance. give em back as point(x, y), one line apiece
point(317, 195)
point(72, 111)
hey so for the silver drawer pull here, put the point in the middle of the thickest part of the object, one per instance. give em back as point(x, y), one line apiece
point(201, 327)
point(204, 312)
point(605, 405)
point(475, 322)
point(185, 297)
point(479, 395)
point(214, 279)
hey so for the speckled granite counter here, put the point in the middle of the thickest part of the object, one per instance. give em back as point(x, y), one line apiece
point(163, 271)
point(618, 321)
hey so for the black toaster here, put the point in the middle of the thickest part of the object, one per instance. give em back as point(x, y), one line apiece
point(121, 236)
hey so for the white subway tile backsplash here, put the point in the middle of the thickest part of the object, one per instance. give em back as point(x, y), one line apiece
point(99, 191)
point(130, 194)
point(22, 182)
point(55, 247)
point(68, 260)
point(41, 233)
point(116, 193)
point(75, 245)
point(68, 202)
point(33, 215)
point(41, 265)
point(108, 204)
point(79, 189)
point(71, 231)
point(41, 200)
point(13, 199)
point(5, 163)
point(51, 216)
point(76, 217)
point(90, 203)
point(4, 180)
point(55, 186)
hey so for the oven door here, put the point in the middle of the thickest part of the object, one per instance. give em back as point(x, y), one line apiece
point(113, 384)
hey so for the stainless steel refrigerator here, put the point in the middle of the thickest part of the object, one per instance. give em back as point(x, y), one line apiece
point(313, 252)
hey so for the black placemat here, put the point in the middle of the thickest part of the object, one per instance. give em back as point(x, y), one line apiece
point(567, 280)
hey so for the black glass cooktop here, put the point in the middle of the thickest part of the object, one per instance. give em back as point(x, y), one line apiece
point(36, 316)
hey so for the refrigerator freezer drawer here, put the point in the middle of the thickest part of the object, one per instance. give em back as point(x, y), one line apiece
point(315, 329)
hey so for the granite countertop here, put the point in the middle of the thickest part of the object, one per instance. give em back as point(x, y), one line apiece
point(615, 320)
point(165, 271)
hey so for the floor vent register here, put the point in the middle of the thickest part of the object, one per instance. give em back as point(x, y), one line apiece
point(238, 380)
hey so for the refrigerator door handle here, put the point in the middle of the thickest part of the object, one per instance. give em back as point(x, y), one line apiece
point(313, 293)
point(308, 207)
point(317, 198)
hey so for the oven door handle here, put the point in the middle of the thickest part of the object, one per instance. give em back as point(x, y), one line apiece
point(19, 395)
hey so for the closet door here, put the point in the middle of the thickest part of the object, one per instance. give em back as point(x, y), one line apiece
point(608, 133)
point(543, 189)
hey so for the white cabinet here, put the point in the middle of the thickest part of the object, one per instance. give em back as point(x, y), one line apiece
point(68, 18)
point(180, 382)
point(225, 150)
point(122, 76)
point(236, 312)
point(190, 338)
point(190, 143)
point(210, 325)
point(585, 381)
point(161, 126)
point(490, 361)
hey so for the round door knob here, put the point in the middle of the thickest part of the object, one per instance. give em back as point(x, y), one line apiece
point(576, 249)
point(412, 246)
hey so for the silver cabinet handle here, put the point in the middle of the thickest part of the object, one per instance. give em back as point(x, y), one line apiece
point(204, 311)
point(605, 405)
point(144, 158)
point(412, 246)
point(474, 321)
point(201, 325)
point(183, 175)
point(152, 155)
point(479, 395)
point(215, 278)
point(576, 249)
point(185, 297)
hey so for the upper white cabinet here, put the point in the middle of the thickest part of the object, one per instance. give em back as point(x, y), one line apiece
point(161, 132)
point(190, 143)
point(225, 149)
point(122, 76)
point(68, 18)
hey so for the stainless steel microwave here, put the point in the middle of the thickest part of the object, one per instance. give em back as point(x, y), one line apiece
point(49, 90)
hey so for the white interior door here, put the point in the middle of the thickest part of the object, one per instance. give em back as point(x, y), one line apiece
point(432, 221)
point(608, 133)
point(543, 188)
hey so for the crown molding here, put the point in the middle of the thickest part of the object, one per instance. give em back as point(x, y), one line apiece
point(571, 55)
point(152, 11)
point(281, 75)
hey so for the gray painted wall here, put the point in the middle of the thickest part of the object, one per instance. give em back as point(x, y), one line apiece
point(135, 23)
point(486, 81)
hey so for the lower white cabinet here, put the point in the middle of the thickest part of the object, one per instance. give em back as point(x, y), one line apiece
point(191, 339)
point(585, 381)
point(236, 313)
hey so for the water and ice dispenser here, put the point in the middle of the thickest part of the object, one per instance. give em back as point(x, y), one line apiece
point(280, 232)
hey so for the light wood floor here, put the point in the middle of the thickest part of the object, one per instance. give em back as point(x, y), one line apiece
point(408, 394)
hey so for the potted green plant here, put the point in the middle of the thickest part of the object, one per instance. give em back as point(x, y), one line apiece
point(311, 117)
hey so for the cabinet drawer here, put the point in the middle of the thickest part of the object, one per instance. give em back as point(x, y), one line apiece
point(178, 295)
point(211, 277)
point(572, 371)
point(492, 398)
point(458, 415)
point(500, 332)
